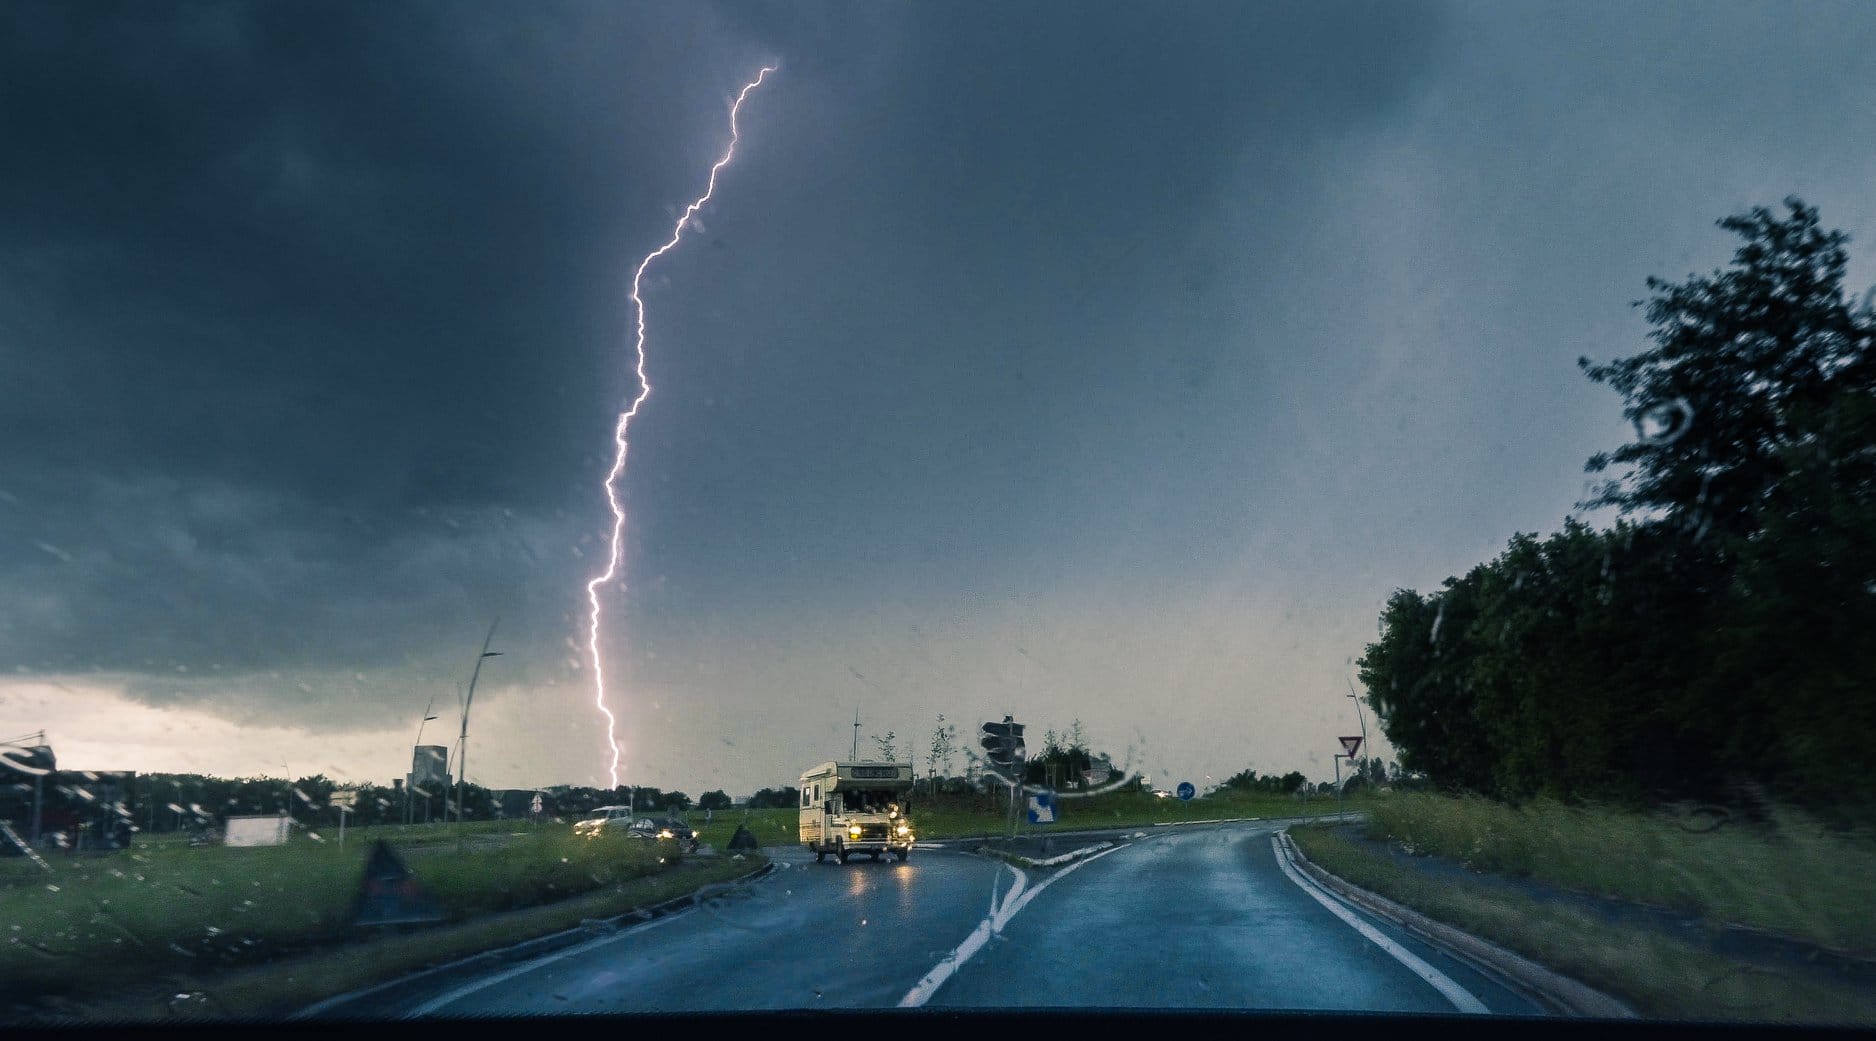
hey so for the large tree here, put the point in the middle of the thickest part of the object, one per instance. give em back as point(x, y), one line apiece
point(1720, 633)
point(1757, 409)
point(1744, 363)
point(1419, 682)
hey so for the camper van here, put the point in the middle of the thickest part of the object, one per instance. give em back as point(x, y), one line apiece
point(853, 808)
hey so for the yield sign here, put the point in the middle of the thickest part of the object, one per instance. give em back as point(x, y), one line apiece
point(1349, 744)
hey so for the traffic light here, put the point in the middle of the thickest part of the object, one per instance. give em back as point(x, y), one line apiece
point(1003, 742)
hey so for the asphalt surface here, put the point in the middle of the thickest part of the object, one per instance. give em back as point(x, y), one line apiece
point(1201, 917)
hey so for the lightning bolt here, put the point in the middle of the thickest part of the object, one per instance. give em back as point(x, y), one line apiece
point(620, 431)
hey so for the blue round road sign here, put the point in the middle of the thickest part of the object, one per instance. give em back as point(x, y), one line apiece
point(1185, 790)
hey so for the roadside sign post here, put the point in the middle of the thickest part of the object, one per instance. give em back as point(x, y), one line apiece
point(1016, 785)
point(1349, 746)
point(1042, 811)
point(343, 799)
point(1003, 746)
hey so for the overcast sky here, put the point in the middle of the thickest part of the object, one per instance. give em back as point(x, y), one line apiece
point(1097, 361)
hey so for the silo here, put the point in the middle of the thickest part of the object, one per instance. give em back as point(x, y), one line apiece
point(429, 779)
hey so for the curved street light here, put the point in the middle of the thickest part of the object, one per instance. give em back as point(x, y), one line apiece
point(1360, 719)
point(462, 753)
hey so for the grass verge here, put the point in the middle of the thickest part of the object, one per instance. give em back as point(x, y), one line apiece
point(93, 925)
point(1790, 876)
point(1660, 976)
point(283, 989)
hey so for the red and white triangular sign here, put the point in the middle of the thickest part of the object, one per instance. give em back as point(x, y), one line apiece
point(1349, 744)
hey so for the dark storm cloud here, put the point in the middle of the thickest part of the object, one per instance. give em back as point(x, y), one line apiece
point(974, 319)
point(257, 240)
point(312, 302)
point(306, 312)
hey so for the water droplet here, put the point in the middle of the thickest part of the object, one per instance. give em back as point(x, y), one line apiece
point(1664, 423)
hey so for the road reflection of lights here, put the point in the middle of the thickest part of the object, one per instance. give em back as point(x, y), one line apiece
point(751, 908)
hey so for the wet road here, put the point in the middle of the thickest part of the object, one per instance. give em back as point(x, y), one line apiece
point(1198, 918)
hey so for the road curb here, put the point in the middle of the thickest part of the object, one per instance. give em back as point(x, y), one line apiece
point(534, 948)
point(1563, 994)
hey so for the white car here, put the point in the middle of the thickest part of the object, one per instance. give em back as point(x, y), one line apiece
point(603, 817)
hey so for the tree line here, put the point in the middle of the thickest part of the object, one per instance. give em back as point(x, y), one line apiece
point(1718, 641)
point(197, 802)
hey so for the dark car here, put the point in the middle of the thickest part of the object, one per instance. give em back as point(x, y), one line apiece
point(668, 828)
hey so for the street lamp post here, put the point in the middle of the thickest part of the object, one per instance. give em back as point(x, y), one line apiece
point(410, 804)
point(1360, 719)
point(462, 754)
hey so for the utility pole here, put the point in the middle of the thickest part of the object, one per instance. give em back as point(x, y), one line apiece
point(38, 771)
point(856, 735)
point(462, 754)
point(1017, 761)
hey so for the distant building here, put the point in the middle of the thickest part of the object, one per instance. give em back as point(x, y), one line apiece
point(428, 783)
point(27, 774)
point(429, 767)
point(63, 809)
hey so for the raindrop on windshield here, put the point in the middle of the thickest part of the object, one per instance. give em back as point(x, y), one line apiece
point(1664, 423)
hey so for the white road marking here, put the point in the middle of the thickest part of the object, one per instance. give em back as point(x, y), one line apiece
point(1461, 998)
point(993, 923)
point(467, 989)
point(1066, 857)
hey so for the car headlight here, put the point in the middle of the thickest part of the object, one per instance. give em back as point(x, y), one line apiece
point(665, 834)
point(853, 832)
point(905, 829)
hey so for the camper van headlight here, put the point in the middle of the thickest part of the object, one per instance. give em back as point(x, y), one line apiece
point(853, 831)
point(904, 828)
